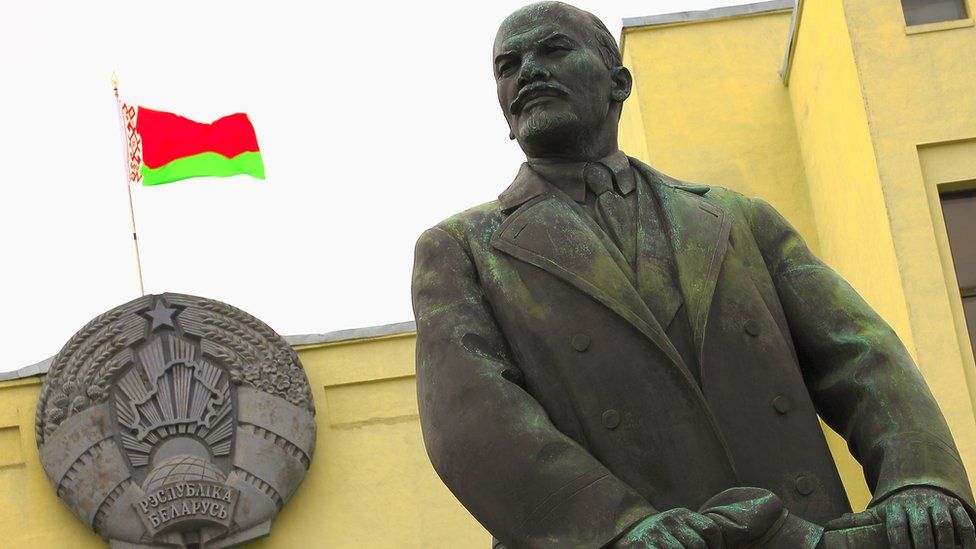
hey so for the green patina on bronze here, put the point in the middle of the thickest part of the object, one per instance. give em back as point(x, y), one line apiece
point(570, 398)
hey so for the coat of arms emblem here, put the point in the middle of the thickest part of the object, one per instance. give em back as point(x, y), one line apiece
point(176, 421)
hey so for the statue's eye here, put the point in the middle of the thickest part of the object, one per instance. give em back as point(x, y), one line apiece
point(555, 48)
point(505, 68)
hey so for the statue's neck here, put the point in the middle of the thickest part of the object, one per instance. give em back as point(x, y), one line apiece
point(581, 154)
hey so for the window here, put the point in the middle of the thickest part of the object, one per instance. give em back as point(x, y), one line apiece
point(920, 12)
point(959, 210)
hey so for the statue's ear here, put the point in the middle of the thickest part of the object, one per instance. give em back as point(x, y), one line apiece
point(622, 84)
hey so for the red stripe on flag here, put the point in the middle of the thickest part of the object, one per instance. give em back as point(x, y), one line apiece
point(167, 136)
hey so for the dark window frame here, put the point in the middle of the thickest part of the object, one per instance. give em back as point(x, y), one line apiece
point(912, 10)
point(967, 294)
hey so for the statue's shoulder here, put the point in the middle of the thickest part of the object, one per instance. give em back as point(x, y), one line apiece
point(477, 223)
point(653, 175)
point(733, 202)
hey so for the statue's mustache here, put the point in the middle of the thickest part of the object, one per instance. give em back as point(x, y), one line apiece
point(536, 90)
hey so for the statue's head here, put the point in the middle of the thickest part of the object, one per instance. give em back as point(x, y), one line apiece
point(560, 80)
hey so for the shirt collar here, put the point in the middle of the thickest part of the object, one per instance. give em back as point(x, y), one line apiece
point(568, 176)
point(526, 186)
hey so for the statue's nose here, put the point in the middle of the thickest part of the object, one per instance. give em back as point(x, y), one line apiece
point(532, 71)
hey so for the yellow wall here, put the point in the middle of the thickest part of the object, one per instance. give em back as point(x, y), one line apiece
point(31, 515)
point(370, 484)
point(837, 150)
point(711, 109)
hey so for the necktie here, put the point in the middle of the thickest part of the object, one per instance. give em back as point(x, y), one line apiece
point(613, 211)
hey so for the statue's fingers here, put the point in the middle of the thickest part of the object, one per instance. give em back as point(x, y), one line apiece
point(707, 529)
point(896, 522)
point(665, 540)
point(855, 520)
point(689, 538)
point(920, 526)
point(965, 531)
point(945, 534)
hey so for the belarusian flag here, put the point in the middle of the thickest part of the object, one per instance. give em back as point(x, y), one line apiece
point(165, 147)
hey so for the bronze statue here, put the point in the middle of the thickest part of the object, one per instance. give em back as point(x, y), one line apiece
point(608, 357)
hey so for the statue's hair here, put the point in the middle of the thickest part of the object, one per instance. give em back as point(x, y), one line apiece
point(599, 33)
point(604, 40)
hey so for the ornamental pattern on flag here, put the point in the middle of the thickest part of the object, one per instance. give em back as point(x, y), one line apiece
point(133, 142)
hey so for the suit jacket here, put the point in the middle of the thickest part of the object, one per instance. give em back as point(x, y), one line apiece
point(556, 409)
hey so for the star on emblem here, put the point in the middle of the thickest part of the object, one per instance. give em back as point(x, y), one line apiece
point(161, 316)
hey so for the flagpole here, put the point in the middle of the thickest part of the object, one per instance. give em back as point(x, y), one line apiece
point(128, 180)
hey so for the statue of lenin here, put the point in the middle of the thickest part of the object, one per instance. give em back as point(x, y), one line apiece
point(609, 357)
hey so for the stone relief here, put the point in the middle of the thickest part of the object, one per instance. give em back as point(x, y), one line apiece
point(176, 421)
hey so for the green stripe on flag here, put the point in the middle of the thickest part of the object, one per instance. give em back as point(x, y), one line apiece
point(208, 164)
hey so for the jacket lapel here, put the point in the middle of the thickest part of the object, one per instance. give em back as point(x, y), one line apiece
point(699, 234)
point(553, 233)
point(655, 281)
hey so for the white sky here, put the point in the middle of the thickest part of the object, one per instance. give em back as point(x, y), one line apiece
point(375, 120)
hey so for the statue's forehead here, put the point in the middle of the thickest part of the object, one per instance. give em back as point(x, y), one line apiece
point(533, 23)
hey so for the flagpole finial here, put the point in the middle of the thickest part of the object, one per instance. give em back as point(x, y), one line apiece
point(115, 82)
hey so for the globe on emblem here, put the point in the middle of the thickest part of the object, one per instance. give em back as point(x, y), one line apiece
point(182, 468)
point(175, 420)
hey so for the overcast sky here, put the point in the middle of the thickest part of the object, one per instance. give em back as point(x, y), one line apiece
point(375, 120)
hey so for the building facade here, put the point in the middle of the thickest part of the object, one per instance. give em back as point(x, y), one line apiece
point(852, 117)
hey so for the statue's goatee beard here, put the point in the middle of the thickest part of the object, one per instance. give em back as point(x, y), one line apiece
point(551, 133)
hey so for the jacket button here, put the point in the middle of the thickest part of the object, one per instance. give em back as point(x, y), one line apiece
point(751, 327)
point(611, 419)
point(580, 342)
point(782, 404)
point(805, 485)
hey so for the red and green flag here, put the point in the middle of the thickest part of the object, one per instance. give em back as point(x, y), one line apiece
point(165, 147)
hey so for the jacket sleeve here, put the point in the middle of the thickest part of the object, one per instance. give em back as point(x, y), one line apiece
point(491, 443)
point(861, 378)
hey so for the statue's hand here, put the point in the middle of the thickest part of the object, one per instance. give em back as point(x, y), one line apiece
point(926, 518)
point(674, 528)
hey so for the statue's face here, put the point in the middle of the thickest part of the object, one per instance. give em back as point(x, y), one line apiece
point(553, 84)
